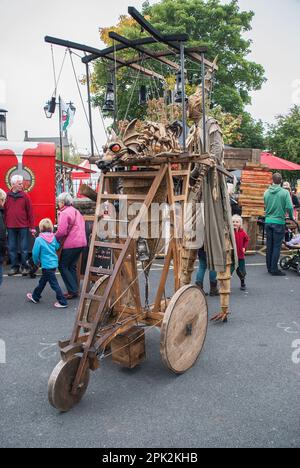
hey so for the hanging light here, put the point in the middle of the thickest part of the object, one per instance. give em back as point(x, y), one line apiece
point(143, 95)
point(49, 107)
point(143, 251)
point(109, 104)
point(169, 97)
point(178, 94)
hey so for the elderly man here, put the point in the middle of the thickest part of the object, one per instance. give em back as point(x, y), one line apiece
point(18, 218)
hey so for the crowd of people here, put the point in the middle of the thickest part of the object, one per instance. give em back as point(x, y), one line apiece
point(61, 249)
point(50, 250)
point(280, 203)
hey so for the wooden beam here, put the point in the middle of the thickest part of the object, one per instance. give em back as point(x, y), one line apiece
point(143, 70)
point(147, 52)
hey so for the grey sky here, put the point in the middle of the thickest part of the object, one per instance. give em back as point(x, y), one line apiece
point(26, 78)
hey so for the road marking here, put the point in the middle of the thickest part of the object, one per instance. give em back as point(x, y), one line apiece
point(48, 350)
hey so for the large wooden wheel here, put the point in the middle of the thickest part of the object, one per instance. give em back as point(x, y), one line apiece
point(183, 329)
point(61, 381)
point(90, 306)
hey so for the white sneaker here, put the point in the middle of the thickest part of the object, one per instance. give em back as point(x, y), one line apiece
point(60, 306)
point(29, 296)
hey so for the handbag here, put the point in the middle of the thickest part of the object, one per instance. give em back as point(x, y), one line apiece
point(59, 251)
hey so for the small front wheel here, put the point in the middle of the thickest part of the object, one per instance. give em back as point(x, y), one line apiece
point(285, 262)
point(298, 268)
point(61, 381)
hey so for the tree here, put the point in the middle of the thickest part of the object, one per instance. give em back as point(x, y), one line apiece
point(251, 133)
point(219, 27)
point(283, 137)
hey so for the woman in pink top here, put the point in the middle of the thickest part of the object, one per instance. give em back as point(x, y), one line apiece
point(71, 235)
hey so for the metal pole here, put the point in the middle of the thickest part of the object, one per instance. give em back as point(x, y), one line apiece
point(116, 98)
point(90, 108)
point(61, 147)
point(203, 101)
point(183, 96)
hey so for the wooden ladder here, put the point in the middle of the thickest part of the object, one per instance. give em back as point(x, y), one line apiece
point(123, 250)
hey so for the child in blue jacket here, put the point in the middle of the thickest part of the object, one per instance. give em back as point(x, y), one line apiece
point(44, 252)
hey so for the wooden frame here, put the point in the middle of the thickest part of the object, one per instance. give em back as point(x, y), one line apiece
point(88, 337)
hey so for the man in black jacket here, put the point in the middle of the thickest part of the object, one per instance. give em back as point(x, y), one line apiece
point(2, 232)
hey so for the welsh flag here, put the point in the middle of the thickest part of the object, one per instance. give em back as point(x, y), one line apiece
point(67, 116)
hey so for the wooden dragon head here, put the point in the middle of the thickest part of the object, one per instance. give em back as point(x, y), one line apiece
point(149, 139)
point(120, 147)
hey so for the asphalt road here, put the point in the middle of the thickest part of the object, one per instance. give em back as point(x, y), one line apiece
point(242, 392)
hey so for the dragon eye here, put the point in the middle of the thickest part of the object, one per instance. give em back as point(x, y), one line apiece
point(115, 147)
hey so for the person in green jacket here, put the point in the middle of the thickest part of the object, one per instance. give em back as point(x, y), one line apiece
point(277, 204)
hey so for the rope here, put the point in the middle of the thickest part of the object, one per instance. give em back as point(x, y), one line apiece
point(54, 73)
point(133, 90)
point(61, 68)
point(103, 123)
point(115, 81)
point(137, 277)
point(81, 98)
point(133, 281)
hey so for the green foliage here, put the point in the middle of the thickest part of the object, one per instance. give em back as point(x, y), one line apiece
point(220, 28)
point(251, 133)
point(284, 136)
point(208, 22)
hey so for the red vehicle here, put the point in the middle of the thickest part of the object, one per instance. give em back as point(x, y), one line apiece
point(36, 163)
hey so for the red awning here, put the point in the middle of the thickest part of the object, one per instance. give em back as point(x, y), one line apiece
point(273, 162)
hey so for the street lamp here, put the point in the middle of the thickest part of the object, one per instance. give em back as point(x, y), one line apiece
point(143, 95)
point(3, 135)
point(49, 109)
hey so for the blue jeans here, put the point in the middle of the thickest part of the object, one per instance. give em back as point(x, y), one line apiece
point(48, 276)
point(203, 267)
point(275, 236)
point(1, 269)
point(17, 237)
point(68, 268)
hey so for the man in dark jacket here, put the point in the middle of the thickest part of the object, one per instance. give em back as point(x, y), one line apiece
point(277, 203)
point(18, 219)
point(2, 232)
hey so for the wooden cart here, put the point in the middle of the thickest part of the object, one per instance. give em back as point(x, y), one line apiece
point(110, 312)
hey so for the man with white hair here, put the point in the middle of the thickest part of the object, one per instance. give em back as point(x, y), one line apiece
point(18, 219)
